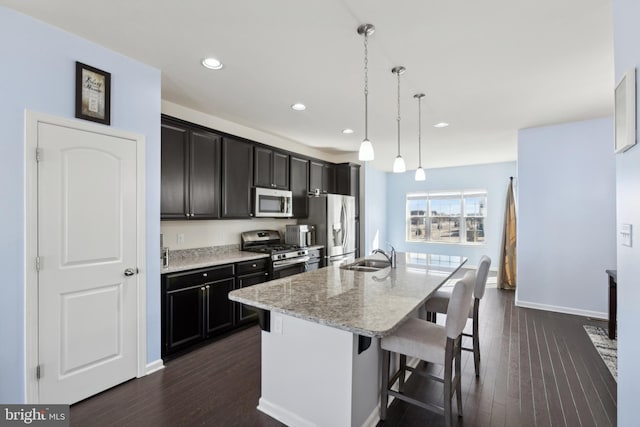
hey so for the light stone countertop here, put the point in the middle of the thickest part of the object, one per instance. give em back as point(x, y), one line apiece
point(190, 259)
point(372, 304)
point(210, 260)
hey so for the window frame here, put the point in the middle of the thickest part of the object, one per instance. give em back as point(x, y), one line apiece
point(463, 217)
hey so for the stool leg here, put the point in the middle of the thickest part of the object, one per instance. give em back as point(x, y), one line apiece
point(384, 393)
point(448, 361)
point(476, 339)
point(458, 376)
point(403, 372)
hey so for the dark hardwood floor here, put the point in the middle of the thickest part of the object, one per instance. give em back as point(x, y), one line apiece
point(538, 369)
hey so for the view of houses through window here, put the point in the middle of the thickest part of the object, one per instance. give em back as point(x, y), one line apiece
point(448, 217)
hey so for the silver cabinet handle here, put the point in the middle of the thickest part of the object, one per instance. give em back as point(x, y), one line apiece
point(129, 272)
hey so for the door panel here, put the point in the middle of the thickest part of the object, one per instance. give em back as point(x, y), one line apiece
point(96, 306)
point(87, 318)
point(82, 242)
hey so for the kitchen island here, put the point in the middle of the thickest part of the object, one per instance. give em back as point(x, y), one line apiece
point(321, 331)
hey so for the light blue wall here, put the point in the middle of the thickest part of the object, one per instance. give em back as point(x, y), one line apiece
point(626, 17)
point(492, 177)
point(375, 209)
point(38, 73)
point(566, 216)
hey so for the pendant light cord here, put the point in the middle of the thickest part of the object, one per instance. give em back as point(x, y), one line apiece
point(420, 131)
point(366, 87)
point(398, 118)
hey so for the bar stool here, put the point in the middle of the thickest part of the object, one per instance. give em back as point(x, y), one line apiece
point(431, 343)
point(439, 301)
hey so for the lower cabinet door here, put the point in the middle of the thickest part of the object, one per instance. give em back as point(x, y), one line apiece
point(184, 317)
point(246, 314)
point(219, 308)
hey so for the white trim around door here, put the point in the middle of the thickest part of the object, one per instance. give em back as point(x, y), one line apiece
point(32, 119)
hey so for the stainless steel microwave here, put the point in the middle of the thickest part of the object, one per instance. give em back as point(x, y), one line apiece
point(271, 203)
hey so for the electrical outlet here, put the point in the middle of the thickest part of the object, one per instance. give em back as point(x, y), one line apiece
point(277, 324)
point(180, 238)
point(625, 233)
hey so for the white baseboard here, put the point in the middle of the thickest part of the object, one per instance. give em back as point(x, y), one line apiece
point(560, 309)
point(283, 415)
point(154, 366)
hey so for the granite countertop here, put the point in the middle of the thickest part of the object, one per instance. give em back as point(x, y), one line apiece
point(189, 259)
point(209, 260)
point(367, 303)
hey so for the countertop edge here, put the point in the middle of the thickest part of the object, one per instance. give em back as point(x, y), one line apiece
point(328, 322)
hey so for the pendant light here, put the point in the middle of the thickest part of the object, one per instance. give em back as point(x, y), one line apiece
point(366, 149)
point(420, 175)
point(398, 163)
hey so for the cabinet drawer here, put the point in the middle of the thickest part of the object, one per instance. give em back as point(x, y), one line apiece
point(197, 277)
point(248, 267)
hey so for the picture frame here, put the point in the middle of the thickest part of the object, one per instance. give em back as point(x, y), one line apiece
point(93, 94)
point(625, 112)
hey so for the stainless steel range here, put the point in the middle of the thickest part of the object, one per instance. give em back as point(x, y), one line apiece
point(286, 259)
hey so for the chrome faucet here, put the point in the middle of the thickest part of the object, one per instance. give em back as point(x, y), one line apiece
point(391, 257)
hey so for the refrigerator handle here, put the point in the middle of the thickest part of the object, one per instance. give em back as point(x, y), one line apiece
point(343, 219)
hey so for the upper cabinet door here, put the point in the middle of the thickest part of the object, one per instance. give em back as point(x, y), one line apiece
point(270, 169)
point(299, 173)
point(315, 175)
point(237, 178)
point(205, 175)
point(174, 166)
point(262, 167)
point(280, 170)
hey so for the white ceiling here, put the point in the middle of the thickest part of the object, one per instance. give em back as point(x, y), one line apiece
point(488, 67)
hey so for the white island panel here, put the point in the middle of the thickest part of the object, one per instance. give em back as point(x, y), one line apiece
point(312, 375)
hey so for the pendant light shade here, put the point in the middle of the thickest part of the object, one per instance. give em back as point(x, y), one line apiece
point(398, 163)
point(366, 153)
point(420, 175)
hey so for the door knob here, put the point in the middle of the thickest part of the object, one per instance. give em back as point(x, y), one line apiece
point(130, 272)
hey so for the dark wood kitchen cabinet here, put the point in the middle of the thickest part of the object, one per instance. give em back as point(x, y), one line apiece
point(190, 172)
point(321, 176)
point(196, 306)
point(299, 185)
point(270, 168)
point(249, 273)
point(237, 178)
point(348, 182)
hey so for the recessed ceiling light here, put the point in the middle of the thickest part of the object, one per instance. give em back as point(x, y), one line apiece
point(347, 131)
point(212, 63)
point(441, 125)
point(298, 107)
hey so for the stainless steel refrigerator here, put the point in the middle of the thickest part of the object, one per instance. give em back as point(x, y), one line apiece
point(335, 221)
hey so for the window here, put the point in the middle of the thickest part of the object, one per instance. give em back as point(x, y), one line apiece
point(452, 217)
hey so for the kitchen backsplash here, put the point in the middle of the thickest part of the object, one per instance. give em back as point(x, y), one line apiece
point(179, 235)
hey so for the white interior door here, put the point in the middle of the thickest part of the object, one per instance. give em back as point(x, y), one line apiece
point(87, 243)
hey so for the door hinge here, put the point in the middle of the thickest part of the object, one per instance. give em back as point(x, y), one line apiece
point(38, 372)
point(38, 154)
point(37, 263)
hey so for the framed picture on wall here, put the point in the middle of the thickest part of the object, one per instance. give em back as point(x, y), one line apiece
point(93, 94)
point(625, 112)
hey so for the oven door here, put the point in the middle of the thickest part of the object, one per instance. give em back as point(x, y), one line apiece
point(289, 267)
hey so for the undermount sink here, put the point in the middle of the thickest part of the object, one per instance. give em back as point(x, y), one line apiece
point(367, 265)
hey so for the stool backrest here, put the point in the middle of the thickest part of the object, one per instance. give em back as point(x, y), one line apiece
point(459, 302)
point(481, 277)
